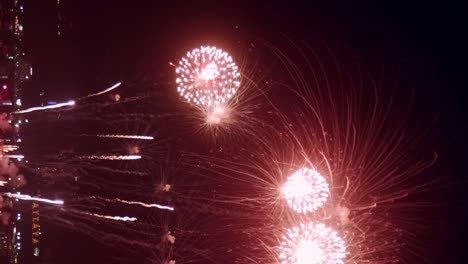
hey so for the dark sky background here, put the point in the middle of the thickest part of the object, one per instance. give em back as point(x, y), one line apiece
point(105, 41)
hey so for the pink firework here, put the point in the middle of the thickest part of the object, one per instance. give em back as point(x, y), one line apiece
point(207, 76)
point(312, 243)
point(305, 190)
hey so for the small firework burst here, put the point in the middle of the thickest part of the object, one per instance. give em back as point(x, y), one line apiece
point(305, 190)
point(312, 243)
point(207, 76)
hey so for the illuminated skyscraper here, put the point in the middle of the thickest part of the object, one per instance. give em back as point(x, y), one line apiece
point(15, 71)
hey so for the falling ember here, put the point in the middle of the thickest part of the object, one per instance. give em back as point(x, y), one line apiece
point(105, 91)
point(40, 108)
point(312, 243)
point(207, 76)
point(124, 136)
point(112, 157)
point(29, 198)
point(305, 190)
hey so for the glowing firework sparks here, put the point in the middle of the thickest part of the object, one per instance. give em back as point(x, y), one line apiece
point(138, 203)
point(40, 108)
point(312, 243)
point(8, 148)
point(29, 198)
point(2, 183)
point(112, 157)
point(146, 205)
point(110, 217)
point(124, 136)
point(15, 156)
point(305, 190)
point(105, 91)
point(207, 76)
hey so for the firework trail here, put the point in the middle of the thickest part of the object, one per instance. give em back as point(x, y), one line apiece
point(8, 148)
point(112, 157)
point(104, 91)
point(164, 207)
point(2, 183)
point(40, 108)
point(14, 156)
point(210, 81)
point(29, 198)
point(119, 171)
point(110, 217)
point(69, 103)
point(120, 136)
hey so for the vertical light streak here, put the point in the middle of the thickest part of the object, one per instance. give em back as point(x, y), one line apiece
point(104, 91)
point(110, 217)
point(15, 156)
point(164, 207)
point(122, 136)
point(40, 108)
point(29, 198)
point(112, 157)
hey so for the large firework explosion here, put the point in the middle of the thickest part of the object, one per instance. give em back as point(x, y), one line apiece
point(356, 137)
point(315, 180)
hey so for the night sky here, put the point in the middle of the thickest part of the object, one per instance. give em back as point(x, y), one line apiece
point(133, 41)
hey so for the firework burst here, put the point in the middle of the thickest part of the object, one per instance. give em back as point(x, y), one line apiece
point(225, 100)
point(312, 243)
point(306, 190)
point(207, 76)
